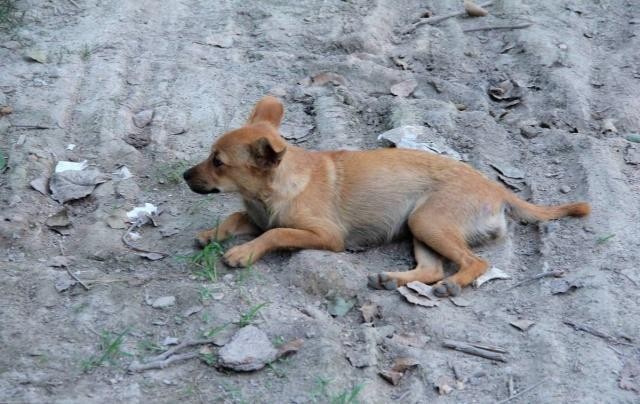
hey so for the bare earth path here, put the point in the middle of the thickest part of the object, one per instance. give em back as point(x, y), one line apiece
point(200, 66)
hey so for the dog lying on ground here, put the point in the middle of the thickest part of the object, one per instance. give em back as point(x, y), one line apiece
point(333, 200)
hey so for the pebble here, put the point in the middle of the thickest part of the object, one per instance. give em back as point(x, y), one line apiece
point(163, 302)
point(249, 349)
point(565, 189)
point(143, 118)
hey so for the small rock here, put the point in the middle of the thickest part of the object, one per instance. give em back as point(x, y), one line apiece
point(418, 138)
point(404, 88)
point(220, 40)
point(41, 184)
point(164, 302)
point(59, 261)
point(143, 118)
point(633, 137)
point(192, 310)
point(60, 219)
point(249, 349)
point(562, 286)
point(36, 55)
point(217, 296)
point(338, 306)
point(565, 189)
point(63, 283)
point(632, 155)
point(170, 341)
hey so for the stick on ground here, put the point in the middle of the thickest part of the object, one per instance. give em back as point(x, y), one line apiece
point(473, 350)
point(139, 367)
point(528, 389)
point(516, 26)
point(547, 274)
point(440, 18)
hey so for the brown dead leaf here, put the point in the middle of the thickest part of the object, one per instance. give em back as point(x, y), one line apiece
point(422, 289)
point(474, 10)
point(391, 376)
point(410, 339)
point(5, 110)
point(416, 299)
point(402, 364)
point(323, 78)
point(290, 348)
point(369, 311)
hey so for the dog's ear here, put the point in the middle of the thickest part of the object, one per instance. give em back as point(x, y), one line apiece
point(267, 154)
point(268, 109)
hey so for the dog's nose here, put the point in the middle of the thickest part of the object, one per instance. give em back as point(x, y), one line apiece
point(187, 174)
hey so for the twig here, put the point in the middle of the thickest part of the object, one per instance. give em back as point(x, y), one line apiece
point(169, 356)
point(528, 389)
point(555, 274)
point(84, 285)
point(139, 367)
point(473, 350)
point(76, 278)
point(136, 224)
point(32, 126)
point(590, 330)
point(516, 26)
point(439, 18)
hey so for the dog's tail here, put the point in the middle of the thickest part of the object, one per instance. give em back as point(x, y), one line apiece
point(522, 209)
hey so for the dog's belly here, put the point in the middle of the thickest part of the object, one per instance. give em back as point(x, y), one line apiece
point(379, 221)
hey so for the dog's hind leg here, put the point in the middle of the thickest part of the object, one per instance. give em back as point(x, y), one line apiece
point(428, 270)
point(441, 224)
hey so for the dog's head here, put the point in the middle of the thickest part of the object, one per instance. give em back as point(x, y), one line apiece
point(244, 159)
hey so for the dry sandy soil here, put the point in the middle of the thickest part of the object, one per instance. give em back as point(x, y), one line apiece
point(200, 66)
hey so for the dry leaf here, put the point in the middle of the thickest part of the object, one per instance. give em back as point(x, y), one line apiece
point(522, 325)
point(60, 219)
point(459, 301)
point(391, 376)
point(421, 289)
point(290, 348)
point(410, 339)
point(474, 10)
point(491, 274)
point(369, 311)
point(402, 364)
point(416, 299)
point(5, 110)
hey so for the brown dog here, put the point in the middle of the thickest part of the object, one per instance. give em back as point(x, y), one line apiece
point(331, 200)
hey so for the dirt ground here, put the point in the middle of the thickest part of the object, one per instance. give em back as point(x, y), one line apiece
point(200, 66)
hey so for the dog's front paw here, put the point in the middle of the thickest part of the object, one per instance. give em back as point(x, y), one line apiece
point(204, 237)
point(446, 288)
point(241, 256)
point(382, 281)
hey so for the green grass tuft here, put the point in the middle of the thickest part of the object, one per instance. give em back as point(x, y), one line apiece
point(111, 347)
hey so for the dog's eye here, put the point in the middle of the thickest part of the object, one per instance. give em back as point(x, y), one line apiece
point(217, 162)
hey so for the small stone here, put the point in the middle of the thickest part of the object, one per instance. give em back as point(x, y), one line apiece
point(565, 189)
point(632, 155)
point(164, 302)
point(63, 283)
point(249, 349)
point(143, 118)
point(192, 310)
point(170, 341)
point(41, 184)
